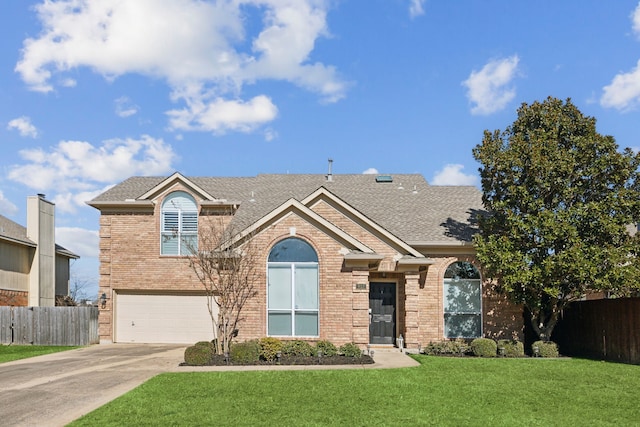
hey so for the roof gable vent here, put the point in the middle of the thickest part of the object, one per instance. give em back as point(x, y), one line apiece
point(384, 178)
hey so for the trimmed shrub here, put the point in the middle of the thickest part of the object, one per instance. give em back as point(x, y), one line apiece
point(327, 348)
point(297, 348)
point(198, 355)
point(545, 348)
point(512, 348)
point(350, 350)
point(457, 347)
point(484, 347)
point(245, 353)
point(269, 348)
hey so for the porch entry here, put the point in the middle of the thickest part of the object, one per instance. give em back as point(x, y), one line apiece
point(382, 313)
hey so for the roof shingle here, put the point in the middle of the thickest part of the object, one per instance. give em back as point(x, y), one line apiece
point(408, 207)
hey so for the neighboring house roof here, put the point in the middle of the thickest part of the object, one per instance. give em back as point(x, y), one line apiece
point(14, 232)
point(408, 207)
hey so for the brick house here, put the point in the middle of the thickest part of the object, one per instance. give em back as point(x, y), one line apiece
point(34, 270)
point(346, 258)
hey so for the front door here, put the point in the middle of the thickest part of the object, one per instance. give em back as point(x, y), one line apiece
point(382, 313)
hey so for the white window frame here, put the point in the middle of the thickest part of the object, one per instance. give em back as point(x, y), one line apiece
point(293, 310)
point(477, 313)
point(186, 224)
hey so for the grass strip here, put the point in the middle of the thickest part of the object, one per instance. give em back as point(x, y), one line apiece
point(442, 391)
point(16, 352)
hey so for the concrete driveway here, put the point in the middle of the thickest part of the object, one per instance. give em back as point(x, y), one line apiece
point(56, 389)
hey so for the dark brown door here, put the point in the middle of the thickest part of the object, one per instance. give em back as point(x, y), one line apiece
point(382, 312)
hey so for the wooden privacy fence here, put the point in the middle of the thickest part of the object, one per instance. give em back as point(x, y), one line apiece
point(49, 325)
point(607, 329)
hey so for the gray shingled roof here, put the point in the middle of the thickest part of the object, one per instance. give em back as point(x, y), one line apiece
point(408, 207)
point(10, 230)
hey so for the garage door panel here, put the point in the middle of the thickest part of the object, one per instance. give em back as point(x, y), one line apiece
point(181, 319)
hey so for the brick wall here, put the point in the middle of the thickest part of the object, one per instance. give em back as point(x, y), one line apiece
point(14, 298)
point(130, 260)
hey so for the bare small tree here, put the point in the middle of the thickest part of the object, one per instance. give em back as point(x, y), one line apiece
point(224, 262)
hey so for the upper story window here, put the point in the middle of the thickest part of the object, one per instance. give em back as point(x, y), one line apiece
point(179, 229)
point(292, 290)
point(462, 301)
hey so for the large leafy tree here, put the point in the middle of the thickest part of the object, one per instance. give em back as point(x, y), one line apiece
point(560, 201)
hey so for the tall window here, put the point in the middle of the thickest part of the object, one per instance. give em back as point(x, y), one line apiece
point(292, 289)
point(179, 233)
point(462, 301)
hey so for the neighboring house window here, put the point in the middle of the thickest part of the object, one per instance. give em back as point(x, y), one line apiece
point(179, 224)
point(292, 289)
point(462, 301)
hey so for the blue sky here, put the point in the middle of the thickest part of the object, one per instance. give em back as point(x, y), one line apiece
point(92, 92)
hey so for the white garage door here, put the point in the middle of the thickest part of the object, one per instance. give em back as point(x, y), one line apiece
point(163, 318)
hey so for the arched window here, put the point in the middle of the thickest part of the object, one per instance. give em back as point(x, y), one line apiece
point(179, 229)
point(292, 290)
point(462, 301)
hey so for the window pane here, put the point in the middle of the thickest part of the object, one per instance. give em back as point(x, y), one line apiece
point(293, 250)
point(279, 324)
point(462, 325)
point(188, 244)
point(306, 287)
point(169, 244)
point(279, 287)
point(306, 324)
point(170, 221)
point(189, 221)
point(461, 296)
point(462, 270)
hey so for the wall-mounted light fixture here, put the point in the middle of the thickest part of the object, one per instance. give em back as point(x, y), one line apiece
point(103, 300)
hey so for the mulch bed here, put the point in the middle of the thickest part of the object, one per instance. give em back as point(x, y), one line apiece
point(219, 360)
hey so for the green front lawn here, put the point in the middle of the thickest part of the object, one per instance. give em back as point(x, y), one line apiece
point(15, 352)
point(442, 391)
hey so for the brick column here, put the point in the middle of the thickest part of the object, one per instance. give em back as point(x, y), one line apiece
point(105, 319)
point(360, 308)
point(411, 309)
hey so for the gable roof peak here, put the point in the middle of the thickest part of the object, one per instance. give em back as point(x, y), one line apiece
point(172, 180)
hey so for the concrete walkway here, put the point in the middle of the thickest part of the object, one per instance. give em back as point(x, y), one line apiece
point(55, 389)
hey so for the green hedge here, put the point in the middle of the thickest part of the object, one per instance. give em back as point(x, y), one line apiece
point(198, 355)
point(245, 353)
point(484, 347)
point(545, 349)
point(350, 350)
point(269, 348)
point(512, 348)
point(327, 348)
point(297, 348)
point(456, 347)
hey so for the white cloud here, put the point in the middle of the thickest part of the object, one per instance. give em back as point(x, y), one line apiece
point(452, 174)
point(204, 50)
point(635, 18)
point(270, 134)
point(125, 107)
point(24, 126)
point(490, 88)
point(69, 201)
point(80, 241)
point(220, 116)
point(624, 91)
point(6, 207)
point(76, 170)
point(416, 8)
point(370, 171)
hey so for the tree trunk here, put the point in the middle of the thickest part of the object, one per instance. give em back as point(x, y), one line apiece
point(544, 324)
